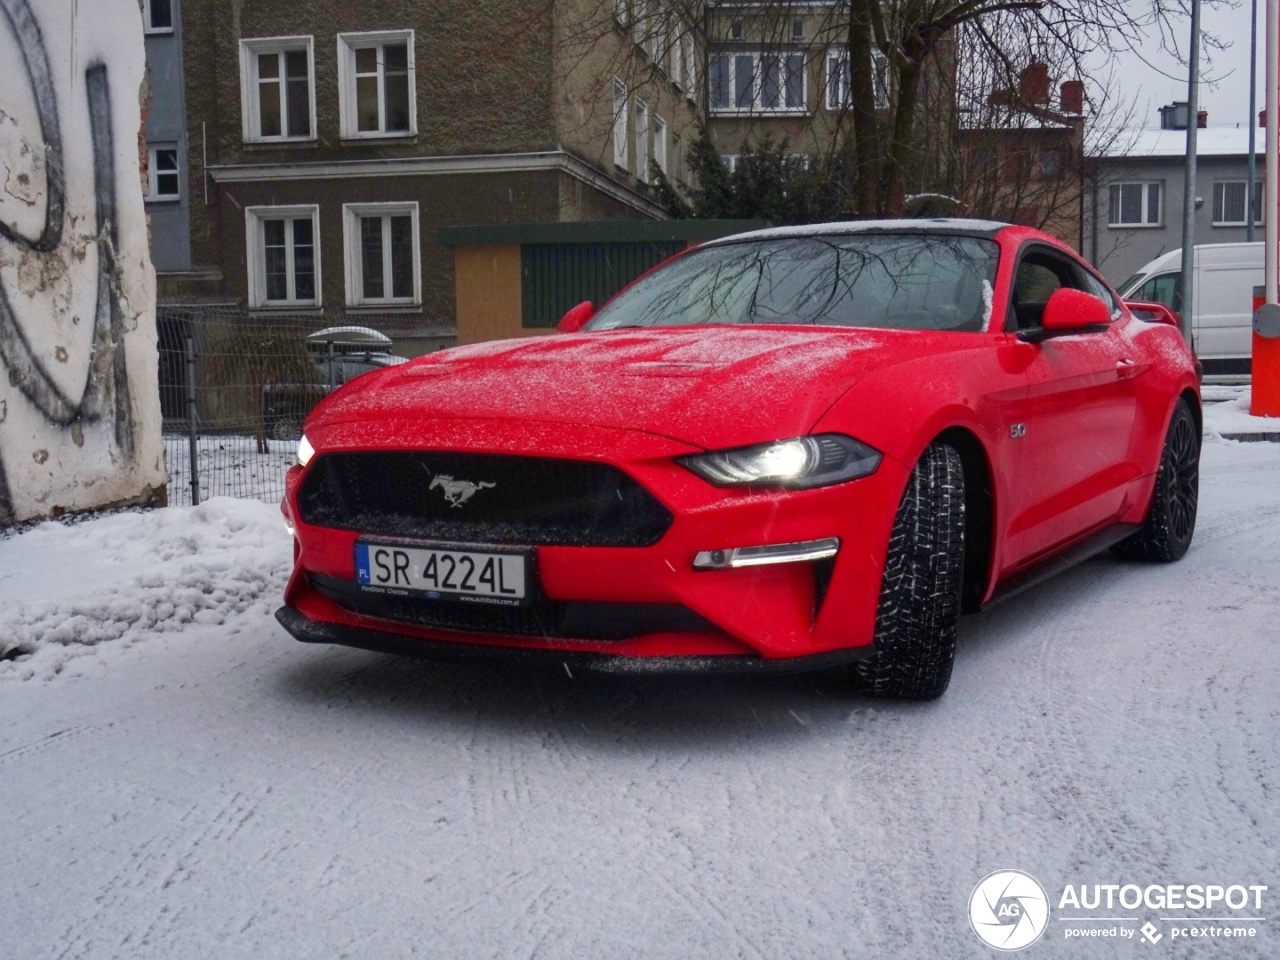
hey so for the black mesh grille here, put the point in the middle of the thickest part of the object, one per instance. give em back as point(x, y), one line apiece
point(514, 500)
point(547, 618)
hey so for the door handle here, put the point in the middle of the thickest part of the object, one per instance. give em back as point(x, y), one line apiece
point(1125, 368)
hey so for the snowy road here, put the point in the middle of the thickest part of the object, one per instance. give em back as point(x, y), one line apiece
point(198, 784)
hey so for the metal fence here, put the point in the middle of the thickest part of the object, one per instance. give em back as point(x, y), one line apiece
point(234, 391)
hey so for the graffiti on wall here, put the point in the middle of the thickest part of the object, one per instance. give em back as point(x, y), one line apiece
point(71, 296)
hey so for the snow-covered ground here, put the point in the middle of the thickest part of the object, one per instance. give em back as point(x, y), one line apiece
point(180, 778)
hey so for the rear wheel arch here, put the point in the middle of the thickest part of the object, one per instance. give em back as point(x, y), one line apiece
point(979, 515)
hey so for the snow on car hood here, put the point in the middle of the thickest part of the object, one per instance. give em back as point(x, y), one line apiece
point(708, 386)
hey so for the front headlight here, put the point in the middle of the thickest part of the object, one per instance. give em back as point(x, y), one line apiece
point(305, 451)
point(797, 464)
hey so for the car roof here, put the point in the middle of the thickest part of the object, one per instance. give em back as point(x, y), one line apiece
point(987, 229)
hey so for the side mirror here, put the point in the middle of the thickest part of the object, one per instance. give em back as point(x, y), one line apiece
point(1069, 311)
point(576, 318)
point(1073, 309)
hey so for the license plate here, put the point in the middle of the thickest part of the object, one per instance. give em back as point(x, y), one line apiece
point(443, 574)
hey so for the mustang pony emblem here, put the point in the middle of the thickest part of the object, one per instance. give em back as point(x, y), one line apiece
point(458, 492)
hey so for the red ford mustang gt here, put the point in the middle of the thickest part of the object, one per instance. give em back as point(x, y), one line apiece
point(794, 448)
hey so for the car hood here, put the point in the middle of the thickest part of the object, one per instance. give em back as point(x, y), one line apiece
point(707, 386)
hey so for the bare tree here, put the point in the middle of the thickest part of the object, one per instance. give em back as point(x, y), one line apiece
point(930, 50)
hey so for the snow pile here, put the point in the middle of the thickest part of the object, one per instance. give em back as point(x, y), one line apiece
point(127, 576)
point(1233, 418)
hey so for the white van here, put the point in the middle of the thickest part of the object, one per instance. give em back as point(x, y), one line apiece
point(1222, 316)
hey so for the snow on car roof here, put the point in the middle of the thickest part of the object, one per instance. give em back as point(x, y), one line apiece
point(983, 228)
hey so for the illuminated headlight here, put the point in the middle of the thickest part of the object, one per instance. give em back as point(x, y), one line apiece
point(793, 464)
point(305, 451)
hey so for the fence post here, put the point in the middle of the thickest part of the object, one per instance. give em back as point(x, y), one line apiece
point(191, 421)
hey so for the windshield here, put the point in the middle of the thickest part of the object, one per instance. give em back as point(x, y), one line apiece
point(902, 281)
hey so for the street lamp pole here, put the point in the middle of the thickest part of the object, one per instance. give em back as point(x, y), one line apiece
point(1189, 186)
point(1250, 212)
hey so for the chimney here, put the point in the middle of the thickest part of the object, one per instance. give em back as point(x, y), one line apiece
point(1033, 84)
point(1202, 119)
point(1174, 116)
point(1072, 98)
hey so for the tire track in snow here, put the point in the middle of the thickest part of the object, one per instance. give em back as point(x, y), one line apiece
point(50, 741)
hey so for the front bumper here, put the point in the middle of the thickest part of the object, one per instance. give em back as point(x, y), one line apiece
point(383, 641)
point(791, 611)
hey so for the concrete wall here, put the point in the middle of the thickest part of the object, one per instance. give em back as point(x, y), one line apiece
point(1120, 251)
point(79, 405)
point(167, 127)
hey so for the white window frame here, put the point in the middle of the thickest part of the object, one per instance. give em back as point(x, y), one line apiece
point(250, 106)
point(641, 110)
point(621, 123)
point(147, 25)
point(351, 214)
point(838, 95)
point(1220, 203)
point(255, 249)
point(690, 68)
point(660, 145)
point(348, 44)
point(675, 51)
point(657, 31)
point(1144, 223)
point(153, 173)
point(756, 109)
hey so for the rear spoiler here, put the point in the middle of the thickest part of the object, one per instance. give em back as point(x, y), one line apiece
point(1152, 312)
point(1159, 313)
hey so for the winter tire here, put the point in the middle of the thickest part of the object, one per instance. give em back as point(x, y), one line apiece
point(1166, 533)
point(915, 640)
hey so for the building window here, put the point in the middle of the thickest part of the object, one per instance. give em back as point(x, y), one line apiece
point(157, 16)
point(642, 141)
point(620, 123)
point(1228, 203)
point(657, 31)
point(757, 83)
point(839, 80)
point(660, 144)
point(736, 30)
point(689, 66)
point(376, 84)
point(163, 175)
point(1054, 161)
point(730, 161)
point(1135, 205)
point(621, 11)
point(383, 262)
point(284, 269)
point(675, 50)
point(276, 91)
point(797, 29)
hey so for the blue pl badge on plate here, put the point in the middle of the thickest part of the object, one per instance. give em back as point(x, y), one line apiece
point(362, 562)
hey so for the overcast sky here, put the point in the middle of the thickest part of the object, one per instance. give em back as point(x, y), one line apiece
point(1225, 94)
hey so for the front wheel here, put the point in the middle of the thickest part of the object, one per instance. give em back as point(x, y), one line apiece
point(1166, 533)
point(919, 609)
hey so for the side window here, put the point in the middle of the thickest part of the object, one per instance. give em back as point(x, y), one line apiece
point(1100, 290)
point(1040, 273)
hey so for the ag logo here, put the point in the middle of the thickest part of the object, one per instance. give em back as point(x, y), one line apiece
point(1008, 910)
